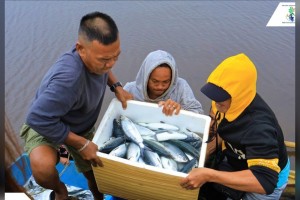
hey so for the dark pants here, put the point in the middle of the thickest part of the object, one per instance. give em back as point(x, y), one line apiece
point(215, 191)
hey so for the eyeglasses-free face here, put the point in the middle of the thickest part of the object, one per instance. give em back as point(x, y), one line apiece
point(159, 81)
point(99, 58)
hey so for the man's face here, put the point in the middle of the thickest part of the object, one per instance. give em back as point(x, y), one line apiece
point(98, 58)
point(223, 106)
point(159, 81)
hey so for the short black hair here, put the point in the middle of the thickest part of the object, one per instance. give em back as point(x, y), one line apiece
point(104, 30)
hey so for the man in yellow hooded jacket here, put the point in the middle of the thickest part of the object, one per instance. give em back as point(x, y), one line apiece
point(254, 163)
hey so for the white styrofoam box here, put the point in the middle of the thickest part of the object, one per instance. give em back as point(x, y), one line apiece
point(113, 179)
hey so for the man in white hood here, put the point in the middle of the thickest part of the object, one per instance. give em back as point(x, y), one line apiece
point(157, 81)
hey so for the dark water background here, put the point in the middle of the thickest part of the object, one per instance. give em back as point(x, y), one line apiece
point(199, 34)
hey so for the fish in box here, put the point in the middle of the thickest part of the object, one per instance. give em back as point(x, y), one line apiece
point(137, 180)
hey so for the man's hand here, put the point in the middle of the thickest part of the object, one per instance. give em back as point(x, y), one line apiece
point(90, 154)
point(87, 149)
point(196, 178)
point(169, 107)
point(122, 95)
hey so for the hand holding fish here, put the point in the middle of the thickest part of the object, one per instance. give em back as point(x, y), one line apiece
point(169, 107)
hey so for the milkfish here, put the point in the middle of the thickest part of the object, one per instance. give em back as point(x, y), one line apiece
point(188, 166)
point(186, 147)
point(133, 152)
point(132, 132)
point(193, 136)
point(158, 144)
point(168, 163)
point(144, 131)
point(141, 160)
point(158, 147)
point(159, 126)
point(197, 144)
point(152, 158)
point(117, 130)
point(170, 135)
point(110, 144)
point(149, 137)
point(119, 151)
point(177, 154)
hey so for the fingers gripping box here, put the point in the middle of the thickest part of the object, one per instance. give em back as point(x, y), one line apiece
point(132, 180)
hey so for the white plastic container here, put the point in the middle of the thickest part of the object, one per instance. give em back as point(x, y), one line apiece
point(133, 180)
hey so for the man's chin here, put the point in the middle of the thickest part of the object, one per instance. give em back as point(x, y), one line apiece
point(104, 71)
point(159, 94)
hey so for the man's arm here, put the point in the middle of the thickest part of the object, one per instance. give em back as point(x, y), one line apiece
point(121, 94)
point(111, 78)
point(239, 180)
point(87, 149)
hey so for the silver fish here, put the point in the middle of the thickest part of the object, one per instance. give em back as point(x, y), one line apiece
point(190, 157)
point(170, 135)
point(141, 160)
point(157, 147)
point(159, 126)
point(188, 167)
point(177, 154)
point(168, 163)
point(119, 151)
point(186, 147)
point(133, 152)
point(131, 131)
point(152, 158)
point(149, 137)
point(110, 144)
point(192, 136)
point(117, 130)
point(144, 131)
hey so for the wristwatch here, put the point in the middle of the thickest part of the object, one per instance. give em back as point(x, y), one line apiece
point(113, 86)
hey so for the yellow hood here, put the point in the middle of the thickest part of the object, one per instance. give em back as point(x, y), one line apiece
point(237, 75)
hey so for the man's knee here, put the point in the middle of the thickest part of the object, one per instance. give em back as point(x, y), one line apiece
point(43, 161)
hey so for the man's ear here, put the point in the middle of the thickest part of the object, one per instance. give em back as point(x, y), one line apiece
point(80, 49)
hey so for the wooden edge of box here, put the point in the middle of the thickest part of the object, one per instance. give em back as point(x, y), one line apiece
point(131, 180)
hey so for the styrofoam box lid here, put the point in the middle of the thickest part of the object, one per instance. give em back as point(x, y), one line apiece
point(133, 180)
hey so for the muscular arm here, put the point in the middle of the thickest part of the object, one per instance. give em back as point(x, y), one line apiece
point(240, 180)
